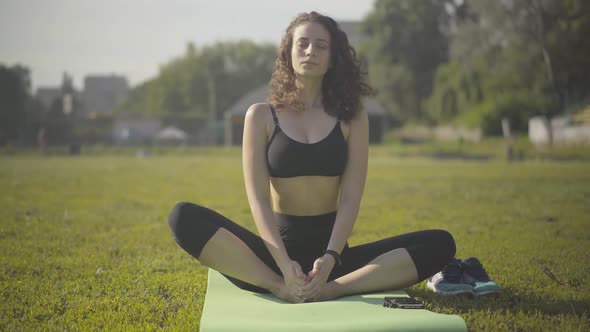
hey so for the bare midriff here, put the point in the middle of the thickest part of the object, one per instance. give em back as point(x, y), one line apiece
point(305, 195)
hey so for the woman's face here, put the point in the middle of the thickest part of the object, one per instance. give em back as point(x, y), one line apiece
point(310, 53)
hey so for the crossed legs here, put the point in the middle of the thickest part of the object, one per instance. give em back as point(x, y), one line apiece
point(240, 255)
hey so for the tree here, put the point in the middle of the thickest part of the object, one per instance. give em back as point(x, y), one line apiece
point(15, 96)
point(560, 30)
point(524, 58)
point(204, 81)
point(407, 43)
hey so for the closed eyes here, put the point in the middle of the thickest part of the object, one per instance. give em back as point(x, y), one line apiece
point(304, 43)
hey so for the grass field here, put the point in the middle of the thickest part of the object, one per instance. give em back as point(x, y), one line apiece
point(84, 242)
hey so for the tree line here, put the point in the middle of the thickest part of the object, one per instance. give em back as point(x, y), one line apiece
point(473, 62)
point(204, 81)
point(460, 62)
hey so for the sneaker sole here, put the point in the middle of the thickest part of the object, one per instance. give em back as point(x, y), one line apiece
point(488, 293)
point(465, 293)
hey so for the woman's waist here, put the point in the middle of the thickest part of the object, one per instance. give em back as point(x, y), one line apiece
point(305, 195)
point(321, 220)
point(305, 228)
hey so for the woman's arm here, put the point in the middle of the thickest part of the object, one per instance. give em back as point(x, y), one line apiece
point(257, 181)
point(353, 181)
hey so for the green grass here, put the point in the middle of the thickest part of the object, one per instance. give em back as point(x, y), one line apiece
point(84, 242)
point(491, 148)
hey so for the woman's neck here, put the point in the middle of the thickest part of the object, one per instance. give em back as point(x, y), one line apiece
point(310, 89)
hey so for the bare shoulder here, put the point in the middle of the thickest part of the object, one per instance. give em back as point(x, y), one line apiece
point(258, 112)
point(259, 116)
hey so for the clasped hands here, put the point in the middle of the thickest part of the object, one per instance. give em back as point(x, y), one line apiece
point(310, 287)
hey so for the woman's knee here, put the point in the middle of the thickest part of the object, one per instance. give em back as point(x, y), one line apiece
point(178, 216)
point(436, 250)
point(445, 243)
point(186, 220)
point(192, 226)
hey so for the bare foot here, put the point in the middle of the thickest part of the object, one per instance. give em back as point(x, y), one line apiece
point(326, 293)
point(285, 294)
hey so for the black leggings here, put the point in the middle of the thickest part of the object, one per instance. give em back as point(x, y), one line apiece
point(306, 239)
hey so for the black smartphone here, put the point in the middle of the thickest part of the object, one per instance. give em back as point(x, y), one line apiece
point(402, 302)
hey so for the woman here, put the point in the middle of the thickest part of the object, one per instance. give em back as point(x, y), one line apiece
point(305, 163)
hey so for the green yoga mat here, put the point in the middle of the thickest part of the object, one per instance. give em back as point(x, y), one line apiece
point(228, 308)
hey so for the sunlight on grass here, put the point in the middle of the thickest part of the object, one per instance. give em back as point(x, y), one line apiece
point(85, 244)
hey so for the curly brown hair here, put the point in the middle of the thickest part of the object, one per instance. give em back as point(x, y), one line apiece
point(343, 84)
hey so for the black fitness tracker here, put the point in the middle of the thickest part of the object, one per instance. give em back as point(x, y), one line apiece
point(335, 255)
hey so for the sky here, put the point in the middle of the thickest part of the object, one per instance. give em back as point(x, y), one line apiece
point(134, 37)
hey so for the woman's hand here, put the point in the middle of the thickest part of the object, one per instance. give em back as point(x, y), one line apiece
point(316, 279)
point(294, 277)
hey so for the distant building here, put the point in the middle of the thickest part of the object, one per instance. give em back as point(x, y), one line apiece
point(135, 130)
point(560, 130)
point(47, 95)
point(103, 93)
point(64, 97)
point(234, 116)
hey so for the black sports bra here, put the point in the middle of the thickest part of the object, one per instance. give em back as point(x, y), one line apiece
point(287, 158)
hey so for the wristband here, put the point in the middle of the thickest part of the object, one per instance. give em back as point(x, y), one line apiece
point(334, 254)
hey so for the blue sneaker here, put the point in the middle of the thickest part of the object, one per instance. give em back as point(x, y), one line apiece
point(475, 275)
point(448, 280)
